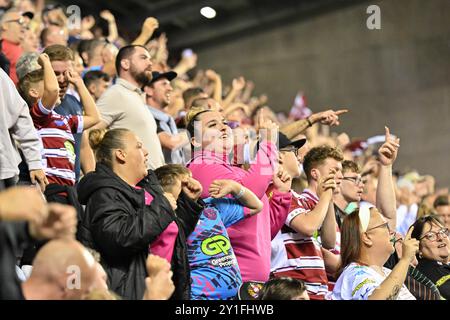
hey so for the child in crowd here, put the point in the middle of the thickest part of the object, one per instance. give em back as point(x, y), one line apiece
point(284, 288)
point(215, 273)
point(38, 86)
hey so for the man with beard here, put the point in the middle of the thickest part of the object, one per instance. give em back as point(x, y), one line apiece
point(158, 95)
point(123, 104)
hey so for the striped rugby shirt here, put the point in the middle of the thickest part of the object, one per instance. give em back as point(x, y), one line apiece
point(56, 132)
point(297, 256)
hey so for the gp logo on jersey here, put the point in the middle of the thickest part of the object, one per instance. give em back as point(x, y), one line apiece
point(216, 245)
point(70, 151)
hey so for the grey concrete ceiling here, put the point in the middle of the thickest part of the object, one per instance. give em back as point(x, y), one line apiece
point(185, 27)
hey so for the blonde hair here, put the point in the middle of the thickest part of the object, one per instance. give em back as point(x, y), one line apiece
point(27, 82)
point(169, 173)
point(104, 142)
point(193, 113)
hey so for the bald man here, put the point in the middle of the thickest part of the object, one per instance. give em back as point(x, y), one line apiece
point(62, 270)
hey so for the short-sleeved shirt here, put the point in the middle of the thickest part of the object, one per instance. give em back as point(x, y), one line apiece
point(358, 282)
point(164, 244)
point(70, 106)
point(299, 256)
point(215, 272)
point(56, 132)
point(122, 106)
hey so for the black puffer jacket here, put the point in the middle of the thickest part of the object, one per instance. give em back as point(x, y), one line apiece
point(119, 225)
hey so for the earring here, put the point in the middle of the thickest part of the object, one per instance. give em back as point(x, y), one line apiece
point(420, 255)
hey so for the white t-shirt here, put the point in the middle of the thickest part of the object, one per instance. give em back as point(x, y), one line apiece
point(357, 282)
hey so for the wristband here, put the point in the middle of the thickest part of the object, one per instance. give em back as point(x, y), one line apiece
point(240, 194)
point(309, 122)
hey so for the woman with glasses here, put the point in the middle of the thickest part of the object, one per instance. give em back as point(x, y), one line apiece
point(433, 252)
point(417, 283)
point(365, 247)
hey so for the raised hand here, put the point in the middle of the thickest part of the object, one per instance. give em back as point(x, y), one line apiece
point(162, 40)
point(211, 75)
point(189, 61)
point(159, 284)
point(268, 130)
point(238, 84)
point(22, 204)
point(73, 77)
point(329, 117)
point(107, 15)
point(61, 222)
point(282, 180)
point(155, 264)
point(327, 183)
point(192, 188)
point(389, 150)
point(410, 246)
point(150, 25)
point(220, 188)
point(43, 60)
point(87, 23)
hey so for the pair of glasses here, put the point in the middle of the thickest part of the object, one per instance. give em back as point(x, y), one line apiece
point(433, 236)
point(384, 225)
point(20, 21)
point(355, 180)
point(294, 150)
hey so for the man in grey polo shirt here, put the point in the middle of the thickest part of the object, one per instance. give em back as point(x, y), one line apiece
point(123, 104)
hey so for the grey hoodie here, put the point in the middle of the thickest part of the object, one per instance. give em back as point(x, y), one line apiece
point(16, 126)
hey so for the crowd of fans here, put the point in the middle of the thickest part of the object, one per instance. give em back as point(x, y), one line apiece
point(124, 177)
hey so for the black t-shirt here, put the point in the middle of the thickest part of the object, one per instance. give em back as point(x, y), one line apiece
point(437, 272)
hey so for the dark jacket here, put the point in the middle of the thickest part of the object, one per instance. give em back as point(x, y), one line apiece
point(4, 61)
point(437, 272)
point(13, 235)
point(119, 225)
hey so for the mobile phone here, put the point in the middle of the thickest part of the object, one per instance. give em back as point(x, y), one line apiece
point(187, 53)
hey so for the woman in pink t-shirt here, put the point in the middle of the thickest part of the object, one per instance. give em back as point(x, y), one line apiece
point(212, 142)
